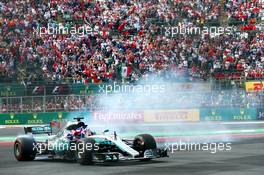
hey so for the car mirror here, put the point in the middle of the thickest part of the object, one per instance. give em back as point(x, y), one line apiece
point(107, 130)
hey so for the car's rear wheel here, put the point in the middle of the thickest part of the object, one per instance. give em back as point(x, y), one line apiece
point(144, 142)
point(85, 151)
point(24, 149)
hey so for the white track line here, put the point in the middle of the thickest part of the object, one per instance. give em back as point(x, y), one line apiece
point(239, 123)
point(17, 126)
point(248, 130)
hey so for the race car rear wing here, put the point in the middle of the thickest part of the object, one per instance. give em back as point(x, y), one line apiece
point(38, 130)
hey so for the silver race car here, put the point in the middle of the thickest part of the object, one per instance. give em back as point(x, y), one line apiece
point(74, 141)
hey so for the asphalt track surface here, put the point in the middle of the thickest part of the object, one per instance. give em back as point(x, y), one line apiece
point(246, 158)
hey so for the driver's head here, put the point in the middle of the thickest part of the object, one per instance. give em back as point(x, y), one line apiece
point(80, 124)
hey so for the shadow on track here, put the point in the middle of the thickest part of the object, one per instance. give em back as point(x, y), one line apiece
point(118, 163)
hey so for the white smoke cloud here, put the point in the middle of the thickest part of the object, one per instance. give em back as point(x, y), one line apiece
point(157, 93)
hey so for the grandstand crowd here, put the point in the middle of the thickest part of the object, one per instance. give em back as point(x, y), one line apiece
point(128, 45)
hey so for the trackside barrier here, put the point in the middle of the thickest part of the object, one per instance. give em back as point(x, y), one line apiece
point(180, 115)
point(228, 114)
point(177, 115)
point(37, 118)
point(146, 116)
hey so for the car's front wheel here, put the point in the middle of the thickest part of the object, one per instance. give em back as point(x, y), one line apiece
point(85, 151)
point(144, 142)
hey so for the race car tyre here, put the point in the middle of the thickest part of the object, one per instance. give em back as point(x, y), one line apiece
point(144, 142)
point(24, 148)
point(85, 151)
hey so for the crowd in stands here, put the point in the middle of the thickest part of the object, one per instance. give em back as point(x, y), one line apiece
point(48, 104)
point(248, 12)
point(125, 43)
point(199, 12)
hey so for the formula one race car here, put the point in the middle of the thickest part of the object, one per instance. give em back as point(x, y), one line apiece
point(74, 141)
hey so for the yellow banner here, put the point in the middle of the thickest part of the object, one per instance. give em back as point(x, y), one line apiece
point(254, 86)
point(189, 86)
point(179, 115)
